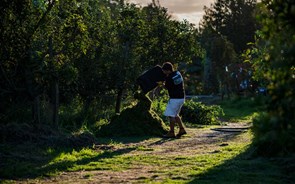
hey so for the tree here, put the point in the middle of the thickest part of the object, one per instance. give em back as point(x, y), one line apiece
point(273, 60)
point(64, 38)
point(147, 37)
point(54, 53)
point(226, 29)
point(235, 20)
point(20, 73)
point(40, 39)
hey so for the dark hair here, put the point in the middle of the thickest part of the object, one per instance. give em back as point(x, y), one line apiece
point(167, 66)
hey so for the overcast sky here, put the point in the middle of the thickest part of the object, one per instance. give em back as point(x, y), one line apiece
point(191, 10)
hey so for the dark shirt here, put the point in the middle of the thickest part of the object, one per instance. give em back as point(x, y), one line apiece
point(148, 80)
point(174, 85)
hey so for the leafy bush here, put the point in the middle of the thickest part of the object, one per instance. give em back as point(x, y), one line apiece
point(273, 60)
point(199, 113)
point(159, 104)
point(271, 136)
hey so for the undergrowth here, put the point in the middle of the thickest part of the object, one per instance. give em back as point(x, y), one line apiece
point(242, 109)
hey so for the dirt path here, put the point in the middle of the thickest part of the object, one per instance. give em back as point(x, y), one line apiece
point(197, 141)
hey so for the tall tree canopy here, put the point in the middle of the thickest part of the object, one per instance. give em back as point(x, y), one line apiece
point(233, 19)
point(63, 53)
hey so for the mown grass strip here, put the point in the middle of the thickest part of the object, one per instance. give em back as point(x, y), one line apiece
point(229, 163)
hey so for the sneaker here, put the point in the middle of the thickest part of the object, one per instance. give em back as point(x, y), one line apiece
point(169, 135)
point(180, 133)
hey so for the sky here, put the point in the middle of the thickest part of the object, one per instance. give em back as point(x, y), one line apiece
point(191, 10)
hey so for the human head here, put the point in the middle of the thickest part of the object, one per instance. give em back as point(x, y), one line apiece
point(167, 68)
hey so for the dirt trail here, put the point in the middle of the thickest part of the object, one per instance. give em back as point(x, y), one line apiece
point(197, 141)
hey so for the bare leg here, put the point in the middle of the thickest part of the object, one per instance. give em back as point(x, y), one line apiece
point(181, 127)
point(179, 122)
point(171, 133)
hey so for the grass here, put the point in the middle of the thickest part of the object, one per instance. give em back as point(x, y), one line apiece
point(50, 161)
point(242, 109)
point(228, 164)
point(184, 168)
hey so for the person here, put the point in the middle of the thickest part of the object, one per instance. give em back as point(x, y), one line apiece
point(175, 86)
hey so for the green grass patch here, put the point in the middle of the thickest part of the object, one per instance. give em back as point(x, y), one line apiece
point(227, 164)
point(31, 162)
point(242, 109)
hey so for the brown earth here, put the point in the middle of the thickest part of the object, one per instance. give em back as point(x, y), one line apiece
point(197, 141)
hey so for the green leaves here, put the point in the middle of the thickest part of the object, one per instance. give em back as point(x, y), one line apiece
point(86, 50)
point(232, 19)
point(201, 114)
point(226, 29)
point(273, 62)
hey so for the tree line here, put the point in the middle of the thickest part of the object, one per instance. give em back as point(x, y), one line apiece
point(71, 61)
point(55, 53)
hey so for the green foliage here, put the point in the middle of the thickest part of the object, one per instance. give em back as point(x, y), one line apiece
point(221, 54)
point(232, 19)
point(54, 52)
point(192, 112)
point(273, 60)
point(198, 113)
point(159, 102)
point(241, 109)
point(226, 29)
point(271, 136)
point(70, 115)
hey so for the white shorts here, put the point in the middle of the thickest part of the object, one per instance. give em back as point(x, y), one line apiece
point(173, 107)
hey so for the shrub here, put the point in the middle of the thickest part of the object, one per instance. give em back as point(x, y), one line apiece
point(199, 113)
point(159, 105)
point(273, 60)
point(271, 136)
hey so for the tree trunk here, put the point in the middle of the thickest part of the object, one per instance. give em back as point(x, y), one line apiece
point(119, 100)
point(86, 106)
point(31, 90)
point(36, 110)
point(54, 102)
point(123, 72)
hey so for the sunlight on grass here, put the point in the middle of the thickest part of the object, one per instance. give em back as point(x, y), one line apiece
point(144, 148)
point(175, 167)
point(74, 155)
point(178, 169)
point(222, 162)
point(242, 109)
point(88, 159)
